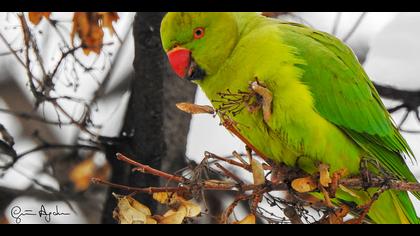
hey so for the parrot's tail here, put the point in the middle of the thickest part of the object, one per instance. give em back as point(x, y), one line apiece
point(393, 207)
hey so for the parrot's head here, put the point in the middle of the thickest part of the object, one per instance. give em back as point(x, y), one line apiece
point(198, 43)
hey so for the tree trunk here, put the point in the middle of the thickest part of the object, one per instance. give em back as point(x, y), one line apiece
point(159, 132)
point(176, 123)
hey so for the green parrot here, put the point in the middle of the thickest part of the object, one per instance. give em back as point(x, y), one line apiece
point(295, 95)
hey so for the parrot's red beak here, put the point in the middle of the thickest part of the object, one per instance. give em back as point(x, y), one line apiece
point(180, 60)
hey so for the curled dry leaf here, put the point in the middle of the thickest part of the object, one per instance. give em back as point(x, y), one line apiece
point(174, 216)
point(86, 26)
point(130, 211)
point(107, 19)
point(267, 99)
point(166, 198)
point(248, 220)
point(172, 199)
point(304, 185)
point(324, 175)
point(194, 108)
point(36, 17)
point(192, 208)
point(151, 221)
point(257, 172)
point(81, 174)
point(89, 27)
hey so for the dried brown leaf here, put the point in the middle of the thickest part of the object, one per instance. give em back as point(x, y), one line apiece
point(82, 173)
point(107, 19)
point(194, 108)
point(130, 211)
point(166, 198)
point(257, 172)
point(304, 185)
point(192, 208)
point(36, 17)
point(86, 26)
point(248, 220)
point(174, 216)
point(324, 175)
point(172, 199)
point(150, 220)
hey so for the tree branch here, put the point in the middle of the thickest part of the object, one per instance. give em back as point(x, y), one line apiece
point(192, 186)
point(50, 146)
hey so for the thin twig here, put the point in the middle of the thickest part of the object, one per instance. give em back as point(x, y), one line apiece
point(232, 162)
point(336, 23)
point(195, 186)
point(149, 190)
point(33, 117)
point(356, 182)
point(147, 169)
point(49, 146)
point(355, 27)
point(229, 210)
point(379, 182)
point(102, 87)
point(229, 174)
point(11, 50)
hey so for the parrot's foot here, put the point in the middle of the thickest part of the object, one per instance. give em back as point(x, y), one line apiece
point(267, 99)
point(366, 173)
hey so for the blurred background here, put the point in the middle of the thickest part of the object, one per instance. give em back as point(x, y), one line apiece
point(65, 111)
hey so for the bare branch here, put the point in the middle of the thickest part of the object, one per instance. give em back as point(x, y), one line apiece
point(410, 101)
point(33, 117)
point(50, 146)
point(355, 27)
point(336, 23)
point(255, 193)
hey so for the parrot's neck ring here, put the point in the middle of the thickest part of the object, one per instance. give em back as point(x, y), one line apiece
point(195, 72)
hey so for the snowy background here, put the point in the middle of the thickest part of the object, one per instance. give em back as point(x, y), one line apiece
point(388, 42)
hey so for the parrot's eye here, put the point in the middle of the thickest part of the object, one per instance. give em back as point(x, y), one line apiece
point(198, 32)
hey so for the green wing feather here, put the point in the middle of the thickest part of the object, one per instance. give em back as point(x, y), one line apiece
point(345, 96)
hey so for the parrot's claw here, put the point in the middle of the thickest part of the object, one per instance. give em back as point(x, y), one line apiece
point(267, 99)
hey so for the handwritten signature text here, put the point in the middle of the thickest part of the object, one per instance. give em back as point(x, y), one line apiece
point(17, 213)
